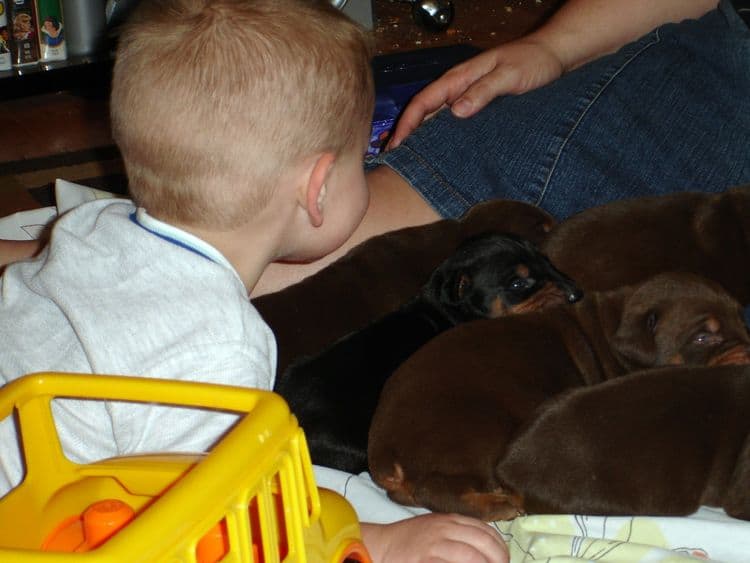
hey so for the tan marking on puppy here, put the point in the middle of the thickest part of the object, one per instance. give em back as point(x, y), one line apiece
point(398, 488)
point(713, 324)
point(738, 355)
point(676, 360)
point(495, 505)
point(498, 308)
point(548, 296)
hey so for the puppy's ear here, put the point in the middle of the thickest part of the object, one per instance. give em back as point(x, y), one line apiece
point(635, 337)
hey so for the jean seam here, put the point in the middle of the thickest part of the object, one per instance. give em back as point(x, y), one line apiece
point(584, 112)
point(437, 180)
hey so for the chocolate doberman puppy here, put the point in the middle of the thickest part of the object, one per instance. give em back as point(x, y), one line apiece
point(334, 394)
point(659, 442)
point(380, 275)
point(446, 415)
point(627, 241)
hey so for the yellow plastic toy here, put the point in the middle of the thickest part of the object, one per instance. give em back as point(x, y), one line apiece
point(252, 499)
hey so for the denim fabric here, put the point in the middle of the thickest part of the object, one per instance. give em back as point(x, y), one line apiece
point(668, 112)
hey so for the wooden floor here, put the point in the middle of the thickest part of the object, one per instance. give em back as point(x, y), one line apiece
point(64, 122)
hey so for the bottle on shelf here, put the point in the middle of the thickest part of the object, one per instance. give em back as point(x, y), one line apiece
point(24, 44)
point(5, 58)
point(87, 26)
point(52, 44)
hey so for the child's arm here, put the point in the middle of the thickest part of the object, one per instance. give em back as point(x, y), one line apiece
point(12, 250)
point(435, 538)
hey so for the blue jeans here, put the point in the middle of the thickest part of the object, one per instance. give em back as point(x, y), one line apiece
point(668, 112)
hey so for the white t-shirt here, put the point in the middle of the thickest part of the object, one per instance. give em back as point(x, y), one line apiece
point(117, 292)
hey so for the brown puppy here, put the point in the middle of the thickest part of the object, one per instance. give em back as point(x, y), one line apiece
point(381, 274)
point(660, 442)
point(447, 414)
point(334, 394)
point(627, 241)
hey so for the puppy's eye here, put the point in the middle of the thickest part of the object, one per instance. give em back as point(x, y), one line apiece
point(651, 320)
point(707, 338)
point(519, 284)
point(700, 338)
point(710, 333)
point(464, 282)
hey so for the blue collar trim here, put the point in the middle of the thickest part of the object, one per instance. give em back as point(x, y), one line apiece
point(176, 236)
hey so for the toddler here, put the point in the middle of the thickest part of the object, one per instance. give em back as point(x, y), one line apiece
point(242, 125)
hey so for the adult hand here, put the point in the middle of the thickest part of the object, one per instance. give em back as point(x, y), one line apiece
point(435, 538)
point(511, 68)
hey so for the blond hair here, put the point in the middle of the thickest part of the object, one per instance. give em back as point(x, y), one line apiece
point(213, 99)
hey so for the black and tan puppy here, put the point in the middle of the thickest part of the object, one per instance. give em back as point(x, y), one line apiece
point(446, 415)
point(627, 241)
point(380, 275)
point(660, 442)
point(334, 394)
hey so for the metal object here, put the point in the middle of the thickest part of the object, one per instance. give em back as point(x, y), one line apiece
point(435, 15)
point(359, 10)
point(85, 26)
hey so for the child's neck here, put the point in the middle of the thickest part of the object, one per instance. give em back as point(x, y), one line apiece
point(249, 249)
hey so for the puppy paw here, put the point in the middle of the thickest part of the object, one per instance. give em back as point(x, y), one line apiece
point(495, 505)
point(398, 488)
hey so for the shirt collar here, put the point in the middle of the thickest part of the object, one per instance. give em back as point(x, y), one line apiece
point(178, 237)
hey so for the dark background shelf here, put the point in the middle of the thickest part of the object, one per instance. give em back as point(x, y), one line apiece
point(65, 109)
point(481, 23)
point(87, 75)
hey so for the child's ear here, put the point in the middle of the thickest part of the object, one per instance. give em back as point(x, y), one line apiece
point(315, 188)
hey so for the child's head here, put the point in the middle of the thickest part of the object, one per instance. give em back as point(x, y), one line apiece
point(212, 100)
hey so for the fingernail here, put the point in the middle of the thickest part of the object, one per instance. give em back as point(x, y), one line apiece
point(461, 108)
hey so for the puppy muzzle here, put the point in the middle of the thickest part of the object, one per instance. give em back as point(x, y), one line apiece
point(548, 296)
point(570, 290)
